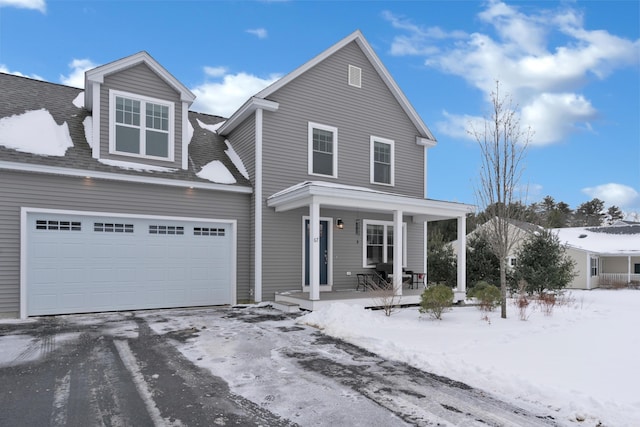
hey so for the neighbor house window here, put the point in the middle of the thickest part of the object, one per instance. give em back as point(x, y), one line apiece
point(323, 150)
point(378, 243)
point(594, 267)
point(381, 164)
point(141, 126)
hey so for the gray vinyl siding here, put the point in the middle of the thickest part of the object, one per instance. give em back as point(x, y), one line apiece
point(322, 95)
point(93, 195)
point(140, 80)
point(243, 142)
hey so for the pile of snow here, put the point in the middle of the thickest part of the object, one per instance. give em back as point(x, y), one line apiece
point(212, 128)
point(580, 362)
point(216, 172)
point(35, 132)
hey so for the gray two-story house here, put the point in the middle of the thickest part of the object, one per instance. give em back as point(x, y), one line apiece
point(119, 197)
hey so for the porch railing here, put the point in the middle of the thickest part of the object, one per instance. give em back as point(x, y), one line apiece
point(618, 279)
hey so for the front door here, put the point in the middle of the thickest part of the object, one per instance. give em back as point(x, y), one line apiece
point(324, 252)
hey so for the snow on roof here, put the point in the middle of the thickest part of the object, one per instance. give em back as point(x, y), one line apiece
point(326, 185)
point(216, 172)
point(79, 100)
point(35, 132)
point(136, 166)
point(237, 161)
point(212, 128)
point(595, 240)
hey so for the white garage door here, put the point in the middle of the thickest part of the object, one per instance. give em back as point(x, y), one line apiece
point(78, 264)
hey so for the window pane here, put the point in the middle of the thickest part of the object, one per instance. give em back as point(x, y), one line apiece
point(390, 243)
point(322, 163)
point(382, 173)
point(127, 139)
point(381, 162)
point(375, 244)
point(323, 152)
point(157, 144)
point(127, 111)
point(157, 116)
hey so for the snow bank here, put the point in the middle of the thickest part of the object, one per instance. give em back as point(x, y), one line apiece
point(216, 172)
point(35, 132)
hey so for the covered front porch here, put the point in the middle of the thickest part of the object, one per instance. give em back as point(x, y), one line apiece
point(364, 209)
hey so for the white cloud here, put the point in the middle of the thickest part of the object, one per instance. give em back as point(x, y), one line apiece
point(614, 194)
point(261, 33)
point(520, 54)
point(554, 116)
point(224, 96)
point(458, 126)
point(215, 71)
point(5, 69)
point(39, 5)
point(76, 77)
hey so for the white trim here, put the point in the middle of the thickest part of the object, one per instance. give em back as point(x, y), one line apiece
point(329, 285)
point(392, 172)
point(85, 173)
point(185, 135)
point(332, 129)
point(252, 105)
point(385, 243)
point(95, 144)
point(24, 211)
point(143, 127)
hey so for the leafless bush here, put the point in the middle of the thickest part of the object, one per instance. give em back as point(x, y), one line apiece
point(547, 301)
point(384, 295)
point(522, 301)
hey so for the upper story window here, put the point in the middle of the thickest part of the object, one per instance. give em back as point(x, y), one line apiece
point(141, 126)
point(382, 163)
point(323, 150)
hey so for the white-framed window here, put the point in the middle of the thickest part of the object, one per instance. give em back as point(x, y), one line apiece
point(141, 126)
point(382, 161)
point(594, 266)
point(377, 244)
point(512, 262)
point(323, 150)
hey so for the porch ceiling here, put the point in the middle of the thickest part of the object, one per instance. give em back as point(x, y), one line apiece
point(360, 198)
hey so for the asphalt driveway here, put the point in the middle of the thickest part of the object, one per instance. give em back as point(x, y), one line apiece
point(220, 366)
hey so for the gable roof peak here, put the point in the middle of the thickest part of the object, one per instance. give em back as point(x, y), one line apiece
point(97, 75)
point(426, 137)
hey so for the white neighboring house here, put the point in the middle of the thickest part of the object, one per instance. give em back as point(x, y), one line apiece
point(605, 256)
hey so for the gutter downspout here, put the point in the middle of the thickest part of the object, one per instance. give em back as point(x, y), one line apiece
point(257, 278)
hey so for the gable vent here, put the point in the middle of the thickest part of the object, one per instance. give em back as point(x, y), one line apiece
point(355, 76)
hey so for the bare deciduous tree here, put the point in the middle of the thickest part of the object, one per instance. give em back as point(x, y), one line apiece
point(503, 145)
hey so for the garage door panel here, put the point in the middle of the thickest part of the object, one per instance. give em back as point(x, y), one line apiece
point(97, 263)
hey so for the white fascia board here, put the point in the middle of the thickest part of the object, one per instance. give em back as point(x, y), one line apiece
point(426, 142)
point(375, 201)
point(245, 111)
point(55, 170)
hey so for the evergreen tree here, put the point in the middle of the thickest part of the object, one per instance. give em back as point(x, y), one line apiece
point(543, 263)
point(590, 214)
point(442, 261)
point(482, 264)
point(613, 214)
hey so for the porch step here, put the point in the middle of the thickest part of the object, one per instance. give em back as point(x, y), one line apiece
point(286, 306)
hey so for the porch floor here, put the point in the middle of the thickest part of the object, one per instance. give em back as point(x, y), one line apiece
point(367, 299)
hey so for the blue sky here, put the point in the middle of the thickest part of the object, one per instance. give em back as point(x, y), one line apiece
point(572, 68)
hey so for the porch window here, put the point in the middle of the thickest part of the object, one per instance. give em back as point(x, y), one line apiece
point(323, 150)
point(378, 243)
point(636, 268)
point(381, 161)
point(594, 266)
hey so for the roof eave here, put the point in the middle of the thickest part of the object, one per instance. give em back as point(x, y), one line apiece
point(247, 109)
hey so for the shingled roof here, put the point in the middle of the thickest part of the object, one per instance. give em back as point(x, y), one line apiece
point(21, 94)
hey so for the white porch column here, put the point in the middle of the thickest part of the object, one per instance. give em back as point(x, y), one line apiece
point(462, 254)
point(398, 246)
point(314, 251)
point(629, 269)
point(425, 243)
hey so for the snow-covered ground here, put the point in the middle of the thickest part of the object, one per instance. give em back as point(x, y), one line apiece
point(582, 362)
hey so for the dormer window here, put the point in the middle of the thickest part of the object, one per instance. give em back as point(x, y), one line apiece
point(141, 126)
